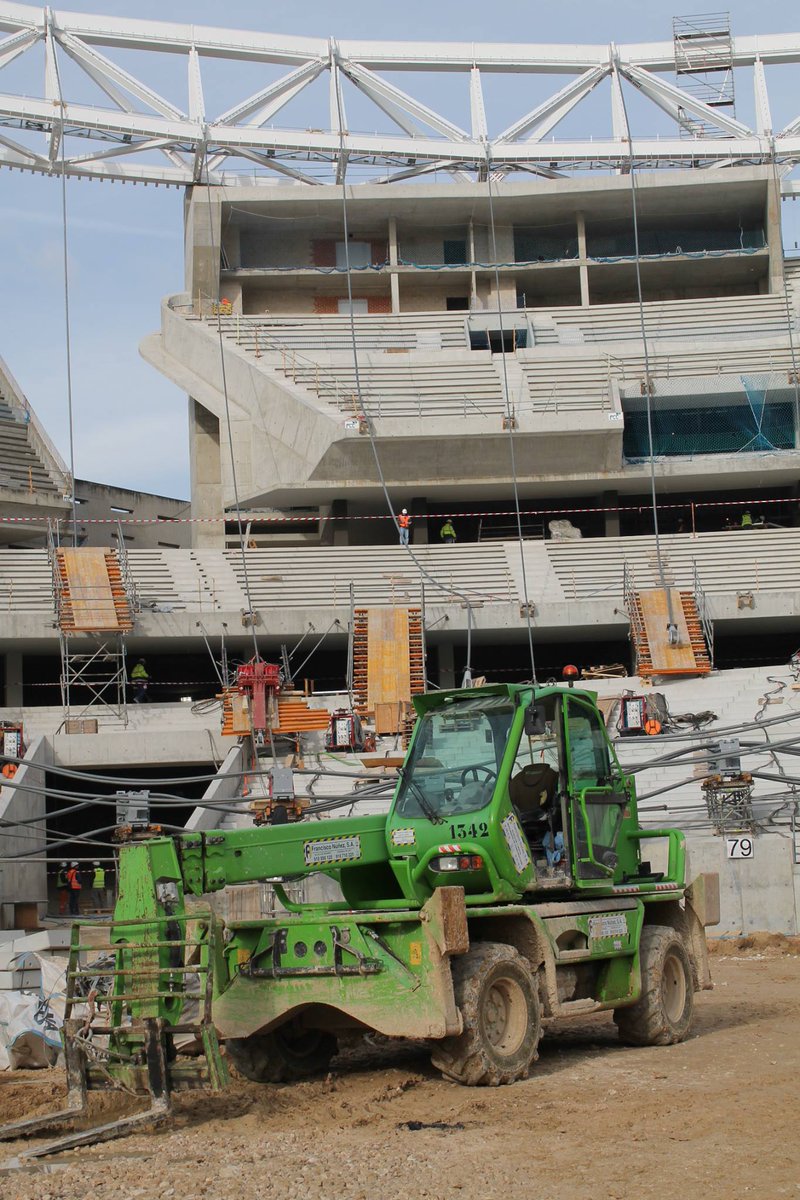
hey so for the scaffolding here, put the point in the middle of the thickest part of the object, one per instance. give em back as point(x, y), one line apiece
point(94, 601)
point(704, 67)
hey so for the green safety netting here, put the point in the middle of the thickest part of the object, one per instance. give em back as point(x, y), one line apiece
point(765, 422)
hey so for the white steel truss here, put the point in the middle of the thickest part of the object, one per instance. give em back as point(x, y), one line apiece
point(131, 132)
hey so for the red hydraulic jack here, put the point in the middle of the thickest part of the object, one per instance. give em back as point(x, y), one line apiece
point(261, 682)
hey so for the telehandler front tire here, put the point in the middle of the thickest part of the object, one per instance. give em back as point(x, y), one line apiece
point(283, 1054)
point(496, 992)
point(663, 1013)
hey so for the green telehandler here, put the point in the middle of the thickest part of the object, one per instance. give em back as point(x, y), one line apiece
point(510, 883)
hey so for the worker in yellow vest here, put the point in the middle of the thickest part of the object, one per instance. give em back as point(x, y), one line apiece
point(98, 887)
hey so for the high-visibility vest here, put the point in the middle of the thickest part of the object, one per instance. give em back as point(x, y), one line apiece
point(61, 880)
point(404, 520)
point(139, 672)
point(99, 878)
point(74, 879)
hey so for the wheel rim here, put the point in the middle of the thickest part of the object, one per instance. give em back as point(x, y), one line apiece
point(673, 987)
point(505, 1016)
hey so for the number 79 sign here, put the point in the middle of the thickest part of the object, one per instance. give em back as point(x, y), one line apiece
point(739, 847)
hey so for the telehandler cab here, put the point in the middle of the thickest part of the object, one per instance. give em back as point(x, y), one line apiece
point(506, 886)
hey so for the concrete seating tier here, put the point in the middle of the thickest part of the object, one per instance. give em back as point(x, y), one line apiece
point(21, 469)
point(557, 382)
point(321, 578)
point(712, 318)
point(374, 331)
point(729, 561)
point(26, 581)
point(468, 386)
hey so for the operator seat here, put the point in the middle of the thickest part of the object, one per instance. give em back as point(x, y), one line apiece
point(532, 792)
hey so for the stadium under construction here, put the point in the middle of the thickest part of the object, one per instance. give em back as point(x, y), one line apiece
point(507, 404)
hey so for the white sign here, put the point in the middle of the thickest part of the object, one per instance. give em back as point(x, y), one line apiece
point(517, 846)
point(403, 837)
point(605, 927)
point(332, 850)
point(739, 847)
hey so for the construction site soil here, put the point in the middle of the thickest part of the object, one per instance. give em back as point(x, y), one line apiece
point(712, 1117)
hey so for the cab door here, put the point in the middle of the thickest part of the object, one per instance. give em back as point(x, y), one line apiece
point(598, 796)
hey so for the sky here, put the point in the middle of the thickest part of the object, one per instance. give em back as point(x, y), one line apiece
point(126, 243)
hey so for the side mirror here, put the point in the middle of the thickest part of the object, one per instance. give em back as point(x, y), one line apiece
point(535, 720)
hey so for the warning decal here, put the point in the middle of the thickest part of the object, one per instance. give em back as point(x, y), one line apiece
point(517, 846)
point(331, 850)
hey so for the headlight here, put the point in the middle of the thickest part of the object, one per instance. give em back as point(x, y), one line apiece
point(456, 862)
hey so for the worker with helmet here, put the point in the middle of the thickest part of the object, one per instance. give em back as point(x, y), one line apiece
point(140, 677)
point(404, 523)
point(62, 887)
point(74, 887)
point(98, 887)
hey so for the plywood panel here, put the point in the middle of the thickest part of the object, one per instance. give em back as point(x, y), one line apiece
point(666, 658)
point(388, 675)
point(89, 589)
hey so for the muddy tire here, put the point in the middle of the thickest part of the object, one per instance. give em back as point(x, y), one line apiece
point(282, 1055)
point(495, 990)
point(663, 1014)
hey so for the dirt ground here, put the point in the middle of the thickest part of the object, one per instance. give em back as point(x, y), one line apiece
point(714, 1117)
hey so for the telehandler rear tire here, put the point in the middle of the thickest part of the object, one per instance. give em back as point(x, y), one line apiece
point(663, 1013)
point(283, 1054)
point(495, 990)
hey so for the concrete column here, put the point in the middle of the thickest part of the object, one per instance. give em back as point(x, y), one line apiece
point(13, 685)
point(582, 259)
point(202, 231)
point(772, 222)
point(335, 532)
point(394, 279)
point(610, 500)
point(419, 525)
point(447, 665)
point(205, 467)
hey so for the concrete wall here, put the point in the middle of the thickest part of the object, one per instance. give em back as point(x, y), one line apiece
point(100, 500)
point(23, 881)
point(226, 787)
point(762, 893)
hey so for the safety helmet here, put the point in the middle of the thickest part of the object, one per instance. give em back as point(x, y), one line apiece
point(95, 864)
point(405, 512)
point(73, 864)
point(62, 864)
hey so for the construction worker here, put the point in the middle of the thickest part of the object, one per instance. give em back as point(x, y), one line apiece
point(62, 887)
point(447, 533)
point(140, 677)
point(747, 519)
point(404, 521)
point(98, 887)
point(74, 888)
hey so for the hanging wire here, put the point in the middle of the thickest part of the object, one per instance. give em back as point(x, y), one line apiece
point(447, 588)
point(510, 421)
point(224, 377)
point(67, 328)
point(672, 628)
point(786, 298)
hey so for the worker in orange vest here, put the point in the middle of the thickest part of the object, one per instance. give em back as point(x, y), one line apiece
point(74, 884)
point(404, 521)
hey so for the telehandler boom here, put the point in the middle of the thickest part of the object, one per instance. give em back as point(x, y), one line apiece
point(510, 883)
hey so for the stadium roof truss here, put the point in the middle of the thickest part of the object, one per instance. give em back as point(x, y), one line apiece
point(133, 133)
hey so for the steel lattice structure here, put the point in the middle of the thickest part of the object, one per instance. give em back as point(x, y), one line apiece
point(136, 134)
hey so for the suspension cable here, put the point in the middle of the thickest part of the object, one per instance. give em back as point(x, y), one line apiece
point(67, 326)
point(224, 378)
point(510, 420)
point(448, 589)
point(672, 628)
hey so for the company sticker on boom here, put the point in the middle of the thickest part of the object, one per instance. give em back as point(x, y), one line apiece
point(331, 850)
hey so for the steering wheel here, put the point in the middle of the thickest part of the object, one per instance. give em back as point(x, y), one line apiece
point(490, 774)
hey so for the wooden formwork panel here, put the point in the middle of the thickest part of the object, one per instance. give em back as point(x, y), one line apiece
point(683, 659)
point(89, 603)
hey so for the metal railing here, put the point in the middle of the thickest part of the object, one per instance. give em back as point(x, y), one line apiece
point(637, 634)
point(701, 599)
